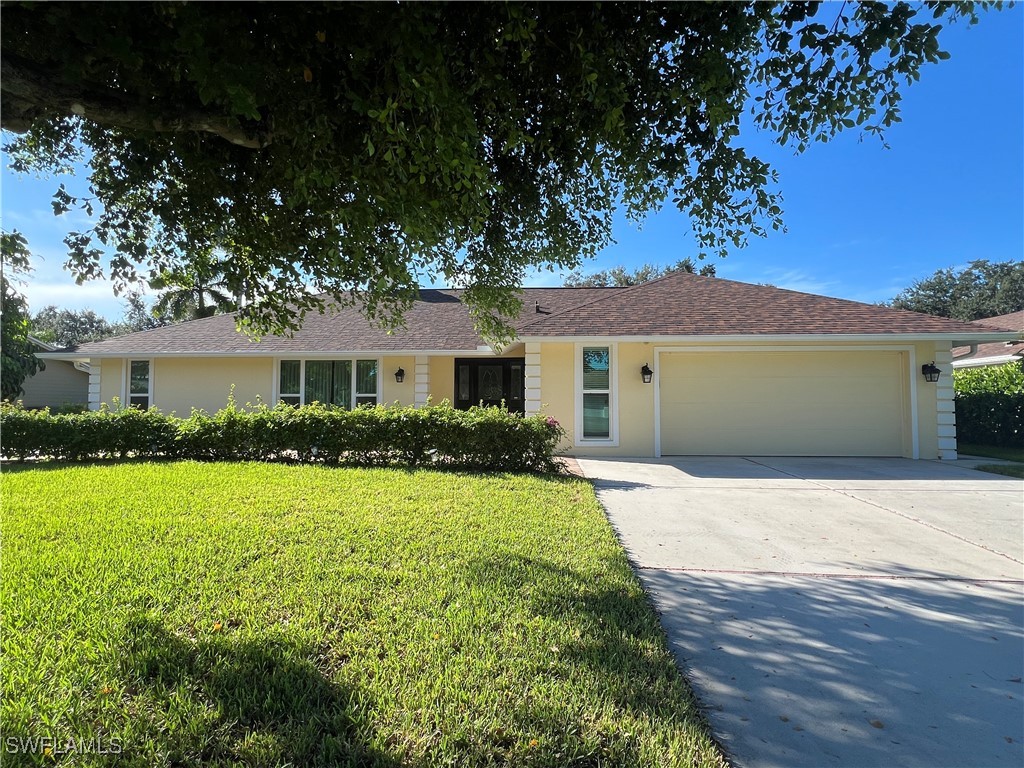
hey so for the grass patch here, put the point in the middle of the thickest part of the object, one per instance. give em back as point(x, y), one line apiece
point(1013, 470)
point(996, 452)
point(991, 451)
point(262, 615)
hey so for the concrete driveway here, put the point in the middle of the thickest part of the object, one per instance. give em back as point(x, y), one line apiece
point(836, 612)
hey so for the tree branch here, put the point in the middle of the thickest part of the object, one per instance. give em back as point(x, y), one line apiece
point(28, 94)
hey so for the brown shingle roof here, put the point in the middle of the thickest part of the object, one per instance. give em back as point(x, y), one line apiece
point(683, 304)
point(679, 304)
point(437, 321)
point(996, 349)
point(1011, 322)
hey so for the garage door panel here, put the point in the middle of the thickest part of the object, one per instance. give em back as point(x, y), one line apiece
point(778, 404)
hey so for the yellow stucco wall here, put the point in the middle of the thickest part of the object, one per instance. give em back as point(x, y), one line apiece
point(442, 379)
point(183, 383)
point(179, 384)
point(391, 391)
point(635, 400)
point(111, 381)
point(557, 385)
point(926, 400)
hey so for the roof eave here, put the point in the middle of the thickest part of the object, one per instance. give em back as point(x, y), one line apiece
point(956, 338)
point(981, 362)
point(480, 351)
point(483, 350)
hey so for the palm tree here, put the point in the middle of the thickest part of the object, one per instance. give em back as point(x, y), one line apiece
point(689, 265)
point(200, 291)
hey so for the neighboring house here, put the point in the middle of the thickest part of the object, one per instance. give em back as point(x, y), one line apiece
point(60, 383)
point(993, 353)
point(734, 369)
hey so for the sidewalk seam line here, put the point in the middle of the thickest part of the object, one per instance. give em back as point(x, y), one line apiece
point(917, 520)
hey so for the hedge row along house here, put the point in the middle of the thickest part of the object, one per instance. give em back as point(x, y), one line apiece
point(677, 366)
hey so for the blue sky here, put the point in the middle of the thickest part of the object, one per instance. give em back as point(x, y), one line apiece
point(864, 221)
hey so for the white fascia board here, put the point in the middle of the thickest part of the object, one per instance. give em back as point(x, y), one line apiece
point(73, 357)
point(777, 338)
point(41, 344)
point(981, 362)
point(988, 338)
point(487, 349)
point(509, 347)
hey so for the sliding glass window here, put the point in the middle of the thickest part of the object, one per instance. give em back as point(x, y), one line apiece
point(342, 383)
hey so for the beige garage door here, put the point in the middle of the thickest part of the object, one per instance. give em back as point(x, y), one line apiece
point(782, 404)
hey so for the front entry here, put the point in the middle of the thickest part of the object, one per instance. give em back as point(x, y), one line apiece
point(489, 381)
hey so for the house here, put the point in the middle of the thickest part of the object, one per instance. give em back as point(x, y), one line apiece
point(680, 365)
point(59, 384)
point(993, 353)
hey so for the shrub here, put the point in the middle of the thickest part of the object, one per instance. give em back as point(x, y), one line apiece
point(101, 434)
point(990, 405)
point(478, 439)
point(1006, 379)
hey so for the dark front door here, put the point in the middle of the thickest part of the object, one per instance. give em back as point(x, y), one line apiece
point(490, 381)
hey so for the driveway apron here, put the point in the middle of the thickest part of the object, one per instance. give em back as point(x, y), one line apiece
point(835, 612)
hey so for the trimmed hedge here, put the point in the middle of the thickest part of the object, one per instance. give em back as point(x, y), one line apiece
point(1006, 379)
point(990, 405)
point(439, 435)
point(990, 418)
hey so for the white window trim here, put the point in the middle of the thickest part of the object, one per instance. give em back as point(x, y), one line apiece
point(276, 388)
point(612, 441)
point(355, 377)
point(126, 382)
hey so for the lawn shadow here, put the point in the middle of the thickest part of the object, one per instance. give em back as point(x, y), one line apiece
point(51, 465)
point(262, 701)
point(621, 650)
point(14, 466)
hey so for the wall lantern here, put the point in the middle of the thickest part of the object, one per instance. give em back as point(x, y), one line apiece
point(646, 373)
point(930, 372)
point(400, 375)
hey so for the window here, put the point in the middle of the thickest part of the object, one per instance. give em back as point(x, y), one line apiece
point(596, 393)
point(139, 384)
point(290, 391)
point(345, 383)
point(366, 382)
point(516, 384)
point(329, 382)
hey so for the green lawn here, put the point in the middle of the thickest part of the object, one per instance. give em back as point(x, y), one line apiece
point(991, 451)
point(1013, 470)
point(256, 614)
point(996, 452)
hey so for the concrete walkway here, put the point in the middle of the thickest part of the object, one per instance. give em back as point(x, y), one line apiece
point(836, 612)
